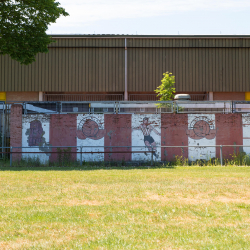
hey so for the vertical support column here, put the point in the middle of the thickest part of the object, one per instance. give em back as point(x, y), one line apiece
point(40, 96)
point(221, 159)
point(210, 96)
point(126, 72)
point(16, 130)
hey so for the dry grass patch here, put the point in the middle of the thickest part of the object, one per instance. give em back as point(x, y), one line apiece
point(181, 208)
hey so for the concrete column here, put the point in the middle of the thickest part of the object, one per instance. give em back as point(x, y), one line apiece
point(40, 96)
point(211, 96)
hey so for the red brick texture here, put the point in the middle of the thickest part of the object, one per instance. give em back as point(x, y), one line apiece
point(16, 130)
point(63, 133)
point(118, 133)
point(233, 96)
point(22, 96)
point(173, 133)
point(229, 132)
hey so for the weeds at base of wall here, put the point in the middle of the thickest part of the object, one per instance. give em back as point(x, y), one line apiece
point(238, 159)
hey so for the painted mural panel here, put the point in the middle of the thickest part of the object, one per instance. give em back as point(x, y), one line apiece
point(90, 134)
point(246, 132)
point(35, 132)
point(146, 135)
point(201, 131)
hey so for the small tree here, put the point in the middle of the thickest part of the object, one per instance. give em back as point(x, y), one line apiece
point(166, 90)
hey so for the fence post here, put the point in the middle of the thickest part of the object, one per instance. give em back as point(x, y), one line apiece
point(81, 155)
point(10, 156)
point(221, 160)
point(152, 158)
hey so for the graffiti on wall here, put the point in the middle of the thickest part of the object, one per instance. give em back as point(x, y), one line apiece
point(35, 134)
point(201, 132)
point(146, 136)
point(90, 135)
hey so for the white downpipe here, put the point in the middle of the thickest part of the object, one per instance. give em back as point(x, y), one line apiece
point(126, 73)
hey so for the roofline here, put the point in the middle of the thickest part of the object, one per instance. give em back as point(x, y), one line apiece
point(151, 36)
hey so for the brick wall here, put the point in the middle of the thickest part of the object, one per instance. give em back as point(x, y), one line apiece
point(62, 133)
point(22, 96)
point(201, 131)
point(233, 96)
point(16, 130)
point(229, 132)
point(173, 133)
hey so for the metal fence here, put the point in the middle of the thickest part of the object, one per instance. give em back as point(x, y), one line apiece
point(111, 97)
point(103, 149)
point(4, 126)
point(122, 107)
point(130, 107)
point(82, 97)
point(241, 106)
point(224, 107)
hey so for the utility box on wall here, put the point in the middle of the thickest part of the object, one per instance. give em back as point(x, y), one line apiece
point(3, 96)
point(247, 96)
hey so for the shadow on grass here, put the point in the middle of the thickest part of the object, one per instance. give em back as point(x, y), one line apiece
point(36, 165)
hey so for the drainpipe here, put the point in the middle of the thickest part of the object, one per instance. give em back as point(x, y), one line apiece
point(126, 72)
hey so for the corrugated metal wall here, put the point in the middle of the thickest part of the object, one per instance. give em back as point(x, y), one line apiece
point(97, 65)
point(196, 69)
point(71, 65)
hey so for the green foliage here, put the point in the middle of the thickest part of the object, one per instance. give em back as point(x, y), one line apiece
point(166, 90)
point(238, 159)
point(64, 156)
point(23, 26)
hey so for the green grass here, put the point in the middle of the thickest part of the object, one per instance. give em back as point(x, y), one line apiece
point(127, 208)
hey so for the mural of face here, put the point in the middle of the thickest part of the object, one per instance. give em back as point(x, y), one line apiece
point(89, 128)
point(201, 132)
point(145, 120)
point(90, 135)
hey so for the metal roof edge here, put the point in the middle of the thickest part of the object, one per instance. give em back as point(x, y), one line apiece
point(148, 36)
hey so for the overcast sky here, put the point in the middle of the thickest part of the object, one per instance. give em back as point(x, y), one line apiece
point(156, 17)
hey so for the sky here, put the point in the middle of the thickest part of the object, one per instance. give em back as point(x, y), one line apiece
point(154, 17)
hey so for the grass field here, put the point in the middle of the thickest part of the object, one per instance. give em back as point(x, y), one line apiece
point(129, 208)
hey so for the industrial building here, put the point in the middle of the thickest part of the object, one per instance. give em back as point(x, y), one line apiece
point(130, 67)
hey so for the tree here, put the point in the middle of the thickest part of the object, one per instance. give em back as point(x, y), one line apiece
point(166, 90)
point(23, 25)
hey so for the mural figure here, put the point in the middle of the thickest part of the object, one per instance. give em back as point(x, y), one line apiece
point(201, 127)
point(89, 128)
point(35, 134)
point(146, 129)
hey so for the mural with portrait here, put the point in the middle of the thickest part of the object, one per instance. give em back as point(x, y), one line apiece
point(90, 134)
point(35, 136)
point(201, 131)
point(146, 136)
